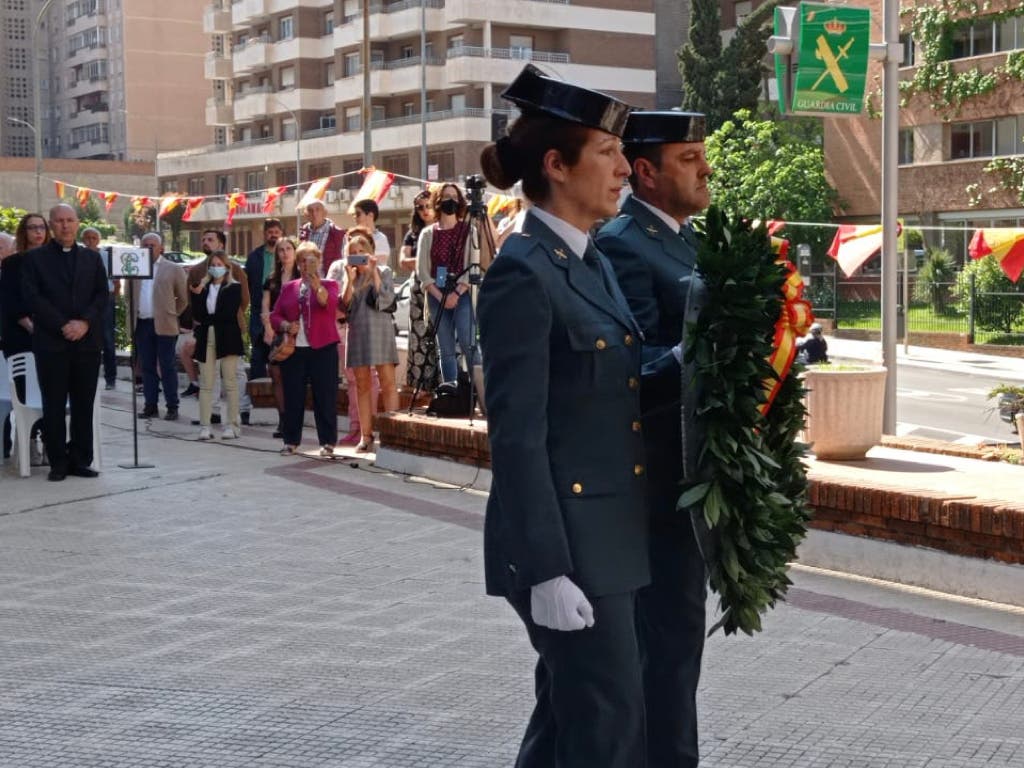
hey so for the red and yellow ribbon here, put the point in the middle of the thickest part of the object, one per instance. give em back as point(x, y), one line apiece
point(795, 319)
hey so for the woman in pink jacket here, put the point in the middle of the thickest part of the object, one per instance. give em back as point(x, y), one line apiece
point(306, 310)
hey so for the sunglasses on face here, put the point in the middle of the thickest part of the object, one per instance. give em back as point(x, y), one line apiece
point(420, 207)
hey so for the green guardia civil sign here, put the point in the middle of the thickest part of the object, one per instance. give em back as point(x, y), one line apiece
point(832, 63)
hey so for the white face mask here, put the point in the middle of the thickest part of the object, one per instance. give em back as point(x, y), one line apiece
point(218, 272)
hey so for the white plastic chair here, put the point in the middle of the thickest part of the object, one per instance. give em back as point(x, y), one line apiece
point(30, 411)
point(5, 390)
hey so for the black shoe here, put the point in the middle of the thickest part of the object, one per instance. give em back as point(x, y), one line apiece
point(171, 415)
point(149, 412)
point(81, 472)
point(245, 418)
point(110, 386)
point(190, 391)
point(56, 475)
point(214, 419)
point(278, 434)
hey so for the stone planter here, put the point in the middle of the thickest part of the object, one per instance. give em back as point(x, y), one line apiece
point(844, 410)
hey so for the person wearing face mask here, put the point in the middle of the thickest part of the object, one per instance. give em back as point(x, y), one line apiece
point(565, 533)
point(444, 250)
point(215, 303)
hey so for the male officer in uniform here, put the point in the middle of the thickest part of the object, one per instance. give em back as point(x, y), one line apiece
point(653, 251)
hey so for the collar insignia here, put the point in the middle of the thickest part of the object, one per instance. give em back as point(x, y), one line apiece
point(652, 229)
point(560, 253)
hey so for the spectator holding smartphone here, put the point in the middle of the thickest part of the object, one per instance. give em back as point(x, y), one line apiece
point(368, 296)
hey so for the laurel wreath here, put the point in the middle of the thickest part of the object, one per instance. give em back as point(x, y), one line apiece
point(753, 485)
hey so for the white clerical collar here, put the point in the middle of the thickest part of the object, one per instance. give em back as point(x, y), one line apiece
point(670, 222)
point(574, 238)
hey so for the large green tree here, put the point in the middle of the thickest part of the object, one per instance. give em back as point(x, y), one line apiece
point(719, 80)
point(9, 218)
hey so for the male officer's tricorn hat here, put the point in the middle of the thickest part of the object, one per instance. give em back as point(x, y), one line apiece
point(664, 127)
point(533, 89)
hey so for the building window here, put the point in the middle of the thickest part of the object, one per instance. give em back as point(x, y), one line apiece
point(327, 121)
point(196, 186)
point(254, 180)
point(1010, 34)
point(398, 164)
point(985, 36)
point(15, 29)
point(520, 46)
point(287, 76)
point(445, 162)
point(17, 58)
point(741, 11)
point(223, 184)
point(352, 179)
point(906, 146)
point(408, 52)
point(288, 129)
point(329, 73)
point(328, 23)
point(457, 102)
point(220, 136)
point(17, 87)
point(353, 119)
point(908, 50)
point(379, 114)
point(319, 170)
point(408, 109)
point(986, 138)
point(285, 28)
point(352, 64)
point(286, 176)
point(456, 42)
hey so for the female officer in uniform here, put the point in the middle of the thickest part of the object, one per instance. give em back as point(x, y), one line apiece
point(565, 538)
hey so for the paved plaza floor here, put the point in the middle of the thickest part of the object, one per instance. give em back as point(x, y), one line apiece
point(231, 607)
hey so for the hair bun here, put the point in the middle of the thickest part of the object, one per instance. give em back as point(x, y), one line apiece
point(508, 156)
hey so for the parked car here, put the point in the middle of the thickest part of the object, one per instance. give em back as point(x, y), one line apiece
point(1010, 404)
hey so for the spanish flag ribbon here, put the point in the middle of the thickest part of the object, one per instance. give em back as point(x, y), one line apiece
point(83, 196)
point(235, 201)
point(795, 319)
point(1005, 244)
point(167, 205)
point(59, 185)
point(271, 197)
point(375, 186)
point(856, 243)
point(140, 202)
point(316, 191)
point(191, 204)
point(499, 204)
point(109, 198)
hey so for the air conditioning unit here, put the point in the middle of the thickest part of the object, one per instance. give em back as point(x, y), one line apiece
point(395, 192)
point(332, 196)
point(345, 195)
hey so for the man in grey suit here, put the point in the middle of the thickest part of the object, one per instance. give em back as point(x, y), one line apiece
point(653, 251)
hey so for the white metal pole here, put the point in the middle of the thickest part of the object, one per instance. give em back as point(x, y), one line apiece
point(37, 103)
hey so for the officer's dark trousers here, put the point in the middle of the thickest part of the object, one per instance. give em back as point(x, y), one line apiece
point(68, 378)
point(589, 711)
point(671, 624)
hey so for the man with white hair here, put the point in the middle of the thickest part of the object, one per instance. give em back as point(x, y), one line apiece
point(158, 302)
point(322, 232)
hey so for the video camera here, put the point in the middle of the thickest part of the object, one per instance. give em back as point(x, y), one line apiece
point(475, 186)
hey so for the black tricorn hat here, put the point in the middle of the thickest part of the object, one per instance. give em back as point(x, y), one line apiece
point(664, 127)
point(533, 89)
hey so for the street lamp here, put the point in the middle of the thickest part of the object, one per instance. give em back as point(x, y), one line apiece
point(37, 104)
point(39, 162)
point(298, 189)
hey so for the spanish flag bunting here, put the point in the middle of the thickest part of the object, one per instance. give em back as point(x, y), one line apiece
point(500, 204)
point(190, 207)
point(108, 199)
point(83, 196)
point(780, 246)
point(854, 244)
point(140, 202)
point(375, 186)
point(316, 191)
point(235, 201)
point(774, 225)
point(60, 189)
point(1005, 244)
point(271, 197)
point(167, 205)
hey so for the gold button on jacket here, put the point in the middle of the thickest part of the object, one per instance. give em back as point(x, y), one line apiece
point(577, 488)
point(633, 382)
point(638, 469)
point(600, 344)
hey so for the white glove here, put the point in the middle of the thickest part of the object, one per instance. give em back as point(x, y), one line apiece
point(559, 604)
point(677, 352)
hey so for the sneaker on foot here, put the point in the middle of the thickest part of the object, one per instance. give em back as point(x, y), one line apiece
point(326, 451)
point(230, 433)
point(205, 434)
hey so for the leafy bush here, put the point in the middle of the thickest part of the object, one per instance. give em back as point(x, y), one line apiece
point(999, 303)
point(934, 278)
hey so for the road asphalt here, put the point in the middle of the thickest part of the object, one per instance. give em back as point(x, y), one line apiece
point(232, 607)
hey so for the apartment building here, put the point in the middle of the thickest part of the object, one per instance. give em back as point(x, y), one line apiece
point(118, 78)
point(285, 90)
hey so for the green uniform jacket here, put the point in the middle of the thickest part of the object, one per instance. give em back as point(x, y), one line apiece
point(561, 355)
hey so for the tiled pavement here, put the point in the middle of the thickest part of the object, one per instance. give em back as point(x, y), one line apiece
point(234, 608)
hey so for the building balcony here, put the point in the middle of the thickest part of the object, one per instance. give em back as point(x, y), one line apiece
point(88, 116)
point(217, 66)
point(217, 18)
point(251, 55)
point(252, 103)
point(244, 13)
point(501, 65)
point(301, 99)
point(219, 112)
point(86, 149)
point(394, 20)
point(86, 86)
point(550, 14)
point(82, 55)
point(85, 21)
point(391, 77)
point(301, 48)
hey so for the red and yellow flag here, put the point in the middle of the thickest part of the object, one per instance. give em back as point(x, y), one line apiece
point(167, 204)
point(140, 202)
point(1006, 245)
point(854, 244)
point(271, 197)
point(316, 191)
point(83, 196)
point(108, 199)
point(59, 185)
point(500, 204)
point(795, 319)
point(235, 201)
point(375, 186)
point(190, 207)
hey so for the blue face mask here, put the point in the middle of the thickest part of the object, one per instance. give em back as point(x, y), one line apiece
point(218, 272)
